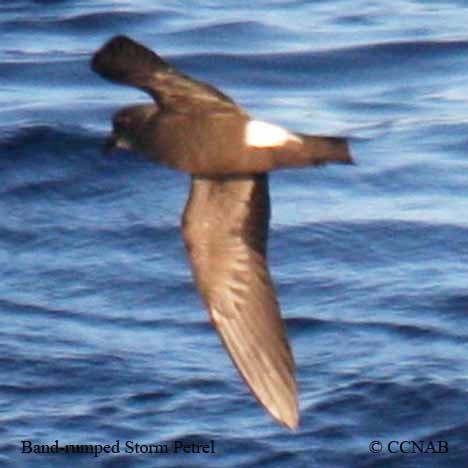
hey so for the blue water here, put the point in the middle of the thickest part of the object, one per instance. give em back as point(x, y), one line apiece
point(102, 335)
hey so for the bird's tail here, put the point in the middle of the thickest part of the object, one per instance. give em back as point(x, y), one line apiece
point(324, 149)
point(314, 151)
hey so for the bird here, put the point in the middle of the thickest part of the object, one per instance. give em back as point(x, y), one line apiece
point(193, 127)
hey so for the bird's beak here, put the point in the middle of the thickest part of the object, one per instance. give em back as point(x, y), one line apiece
point(114, 143)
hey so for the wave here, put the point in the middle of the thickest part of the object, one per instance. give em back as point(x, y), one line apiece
point(45, 139)
point(87, 22)
point(345, 65)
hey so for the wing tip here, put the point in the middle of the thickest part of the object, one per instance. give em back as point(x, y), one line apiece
point(120, 57)
point(271, 379)
point(285, 412)
point(100, 60)
point(289, 418)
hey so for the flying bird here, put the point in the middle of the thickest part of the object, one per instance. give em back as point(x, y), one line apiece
point(193, 127)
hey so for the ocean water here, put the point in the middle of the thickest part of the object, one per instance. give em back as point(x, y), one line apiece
point(103, 339)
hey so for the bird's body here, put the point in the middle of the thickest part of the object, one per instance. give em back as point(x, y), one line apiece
point(195, 128)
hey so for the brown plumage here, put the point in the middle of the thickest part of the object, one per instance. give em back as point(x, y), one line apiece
point(225, 228)
point(193, 127)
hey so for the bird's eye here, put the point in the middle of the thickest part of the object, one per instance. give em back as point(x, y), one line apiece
point(122, 120)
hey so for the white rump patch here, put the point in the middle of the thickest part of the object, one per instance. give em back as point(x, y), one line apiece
point(263, 134)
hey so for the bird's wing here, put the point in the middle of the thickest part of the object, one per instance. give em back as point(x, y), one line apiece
point(225, 229)
point(127, 62)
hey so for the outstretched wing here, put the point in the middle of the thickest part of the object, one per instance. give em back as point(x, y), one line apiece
point(225, 230)
point(127, 62)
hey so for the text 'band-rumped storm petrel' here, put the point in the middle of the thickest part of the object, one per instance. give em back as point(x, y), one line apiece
point(193, 127)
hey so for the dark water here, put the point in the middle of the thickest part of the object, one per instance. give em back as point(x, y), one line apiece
point(102, 336)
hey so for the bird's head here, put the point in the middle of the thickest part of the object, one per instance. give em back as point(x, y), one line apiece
point(128, 123)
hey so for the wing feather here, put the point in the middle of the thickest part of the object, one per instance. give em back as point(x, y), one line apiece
point(225, 229)
point(125, 61)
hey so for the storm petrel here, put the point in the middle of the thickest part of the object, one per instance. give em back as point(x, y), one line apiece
point(193, 127)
